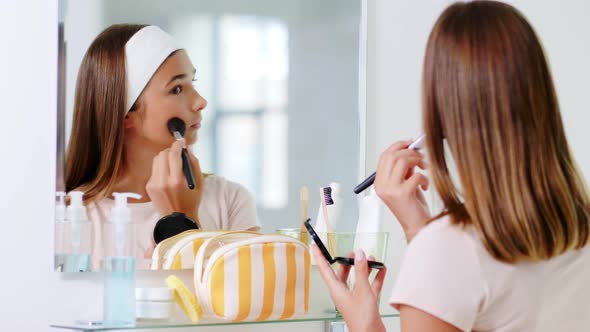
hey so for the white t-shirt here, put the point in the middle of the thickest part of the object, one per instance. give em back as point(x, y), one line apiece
point(225, 205)
point(448, 273)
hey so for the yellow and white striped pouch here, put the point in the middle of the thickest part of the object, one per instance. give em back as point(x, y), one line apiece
point(179, 251)
point(244, 276)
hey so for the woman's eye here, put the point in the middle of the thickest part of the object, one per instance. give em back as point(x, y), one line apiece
point(176, 90)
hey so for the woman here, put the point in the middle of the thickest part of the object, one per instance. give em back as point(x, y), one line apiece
point(132, 80)
point(508, 252)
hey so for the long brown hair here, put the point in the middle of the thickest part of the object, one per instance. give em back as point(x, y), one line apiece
point(488, 91)
point(95, 151)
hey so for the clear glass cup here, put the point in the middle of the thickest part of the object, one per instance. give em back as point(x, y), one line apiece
point(292, 232)
point(340, 244)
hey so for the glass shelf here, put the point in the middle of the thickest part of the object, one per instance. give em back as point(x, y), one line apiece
point(310, 317)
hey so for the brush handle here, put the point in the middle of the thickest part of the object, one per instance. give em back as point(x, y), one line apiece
point(304, 237)
point(365, 184)
point(416, 145)
point(329, 231)
point(187, 169)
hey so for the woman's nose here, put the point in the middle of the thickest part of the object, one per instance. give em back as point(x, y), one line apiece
point(199, 102)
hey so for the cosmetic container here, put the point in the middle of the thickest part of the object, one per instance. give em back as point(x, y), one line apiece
point(73, 235)
point(60, 231)
point(370, 220)
point(119, 265)
point(154, 304)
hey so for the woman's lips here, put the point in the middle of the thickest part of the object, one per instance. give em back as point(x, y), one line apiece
point(196, 125)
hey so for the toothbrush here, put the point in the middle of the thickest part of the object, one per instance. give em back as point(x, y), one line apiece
point(326, 199)
point(304, 196)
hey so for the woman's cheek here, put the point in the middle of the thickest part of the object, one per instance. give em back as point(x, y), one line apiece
point(191, 137)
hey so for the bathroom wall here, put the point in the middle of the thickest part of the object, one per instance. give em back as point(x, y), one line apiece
point(34, 296)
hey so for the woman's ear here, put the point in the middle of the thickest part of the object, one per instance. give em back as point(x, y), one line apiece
point(132, 117)
point(130, 120)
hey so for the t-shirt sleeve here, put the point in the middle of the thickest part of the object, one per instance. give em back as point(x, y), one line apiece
point(242, 208)
point(441, 275)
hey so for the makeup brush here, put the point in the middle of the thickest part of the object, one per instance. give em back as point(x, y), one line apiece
point(416, 145)
point(176, 127)
point(304, 196)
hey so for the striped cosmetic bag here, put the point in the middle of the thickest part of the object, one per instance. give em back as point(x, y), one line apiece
point(179, 251)
point(245, 276)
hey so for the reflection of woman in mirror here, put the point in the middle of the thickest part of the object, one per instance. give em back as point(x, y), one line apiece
point(132, 80)
point(510, 250)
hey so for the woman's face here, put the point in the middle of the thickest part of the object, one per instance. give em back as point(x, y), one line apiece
point(170, 93)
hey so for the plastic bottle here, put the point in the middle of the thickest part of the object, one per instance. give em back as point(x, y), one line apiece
point(119, 265)
point(77, 235)
point(60, 231)
point(60, 208)
point(369, 230)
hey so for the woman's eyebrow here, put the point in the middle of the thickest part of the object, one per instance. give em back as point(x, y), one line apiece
point(180, 77)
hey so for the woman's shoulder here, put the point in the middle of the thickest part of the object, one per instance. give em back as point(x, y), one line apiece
point(236, 200)
point(220, 184)
point(441, 274)
point(443, 240)
point(443, 230)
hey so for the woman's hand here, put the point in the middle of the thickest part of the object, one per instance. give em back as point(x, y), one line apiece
point(399, 187)
point(359, 306)
point(167, 186)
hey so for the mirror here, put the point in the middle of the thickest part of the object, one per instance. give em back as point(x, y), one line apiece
point(282, 81)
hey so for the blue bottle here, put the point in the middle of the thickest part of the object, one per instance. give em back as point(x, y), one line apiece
point(119, 265)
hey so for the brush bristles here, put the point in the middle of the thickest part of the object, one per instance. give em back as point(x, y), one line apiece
point(176, 124)
point(328, 196)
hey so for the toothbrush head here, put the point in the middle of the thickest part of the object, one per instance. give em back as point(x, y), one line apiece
point(328, 195)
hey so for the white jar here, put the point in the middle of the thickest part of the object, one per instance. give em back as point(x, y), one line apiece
point(154, 304)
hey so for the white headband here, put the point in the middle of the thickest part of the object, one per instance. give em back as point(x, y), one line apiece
point(144, 53)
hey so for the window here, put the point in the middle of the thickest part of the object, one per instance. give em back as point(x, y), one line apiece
point(244, 135)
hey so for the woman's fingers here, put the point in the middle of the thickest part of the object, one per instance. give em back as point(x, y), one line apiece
point(417, 179)
point(395, 170)
point(386, 160)
point(338, 290)
point(325, 269)
point(361, 271)
point(163, 164)
point(377, 283)
point(175, 164)
point(344, 270)
point(403, 162)
point(159, 171)
point(396, 164)
point(399, 145)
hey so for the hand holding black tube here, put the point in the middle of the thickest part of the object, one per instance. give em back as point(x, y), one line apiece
point(176, 127)
point(166, 186)
point(416, 145)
